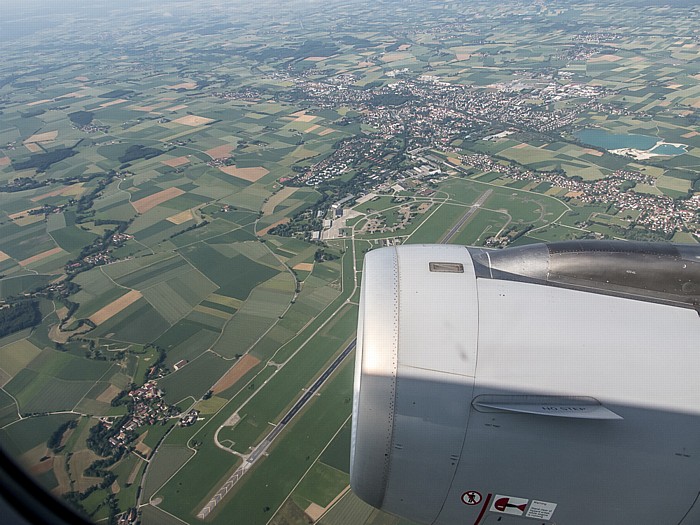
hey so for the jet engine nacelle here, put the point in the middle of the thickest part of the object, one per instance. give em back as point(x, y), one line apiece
point(552, 383)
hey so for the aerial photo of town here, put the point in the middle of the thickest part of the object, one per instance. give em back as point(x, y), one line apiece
point(188, 189)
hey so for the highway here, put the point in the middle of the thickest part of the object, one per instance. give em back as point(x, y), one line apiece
point(262, 447)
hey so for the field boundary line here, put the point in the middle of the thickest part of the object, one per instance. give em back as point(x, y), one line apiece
point(308, 469)
point(93, 385)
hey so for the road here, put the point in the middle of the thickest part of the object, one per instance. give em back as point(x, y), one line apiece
point(262, 447)
point(471, 211)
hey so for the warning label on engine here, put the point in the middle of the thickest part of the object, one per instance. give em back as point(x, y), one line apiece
point(509, 505)
point(541, 510)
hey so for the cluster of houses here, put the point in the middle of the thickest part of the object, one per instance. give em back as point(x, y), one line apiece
point(657, 212)
point(148, 408)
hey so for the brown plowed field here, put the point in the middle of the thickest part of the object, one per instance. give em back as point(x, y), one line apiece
point(241, 368)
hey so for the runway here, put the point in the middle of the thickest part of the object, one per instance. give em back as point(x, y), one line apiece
point(262, 447)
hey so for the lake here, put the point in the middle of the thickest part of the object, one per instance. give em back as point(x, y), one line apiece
point(606, 140)
point(611, 141)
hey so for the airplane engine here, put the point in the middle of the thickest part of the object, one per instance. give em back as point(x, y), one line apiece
point(546, 384)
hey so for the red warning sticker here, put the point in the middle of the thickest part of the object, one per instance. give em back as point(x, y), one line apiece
point(471, 497)
point(509, 505)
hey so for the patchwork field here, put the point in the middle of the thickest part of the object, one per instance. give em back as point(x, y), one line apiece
point(191, 200)
point(115, 307)
point(150, 202)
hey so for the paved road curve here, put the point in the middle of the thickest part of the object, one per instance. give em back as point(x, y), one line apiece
point(262, 447)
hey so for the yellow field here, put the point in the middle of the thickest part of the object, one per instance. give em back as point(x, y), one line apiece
point(397, 56)
point(112, 103)
point(74, 189)
point(53, 193)
point(115, 307)
point(42, 137)
point(59, 470)
point(29, 219)
point(110, 393)
point(193, 120)
point(304, 267)
point(79, 462)
point(16, 356)
point(145, 109)
point(132, 476)
point(249, 174)
point(141, 447)
point(605, 58)
point(150, 202)
point(224, 300)
point(265, 230)
point(74, 94)
point(278, 198)
point(40, 256)
point(305, 118)
point(211, 405)
point(184, 85)
point(212, 311)
point(314, 512)
point(181, 217)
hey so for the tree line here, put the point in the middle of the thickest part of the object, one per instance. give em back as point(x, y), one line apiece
point(17, 316)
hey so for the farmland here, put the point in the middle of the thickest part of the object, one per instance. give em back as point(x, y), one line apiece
point(189, 198)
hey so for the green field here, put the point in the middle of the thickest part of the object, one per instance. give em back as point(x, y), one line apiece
point(139, 323)
point(13, 286)
point(320, 485)
point(8, 409)
point(289, 381)
point(194, 379)
point(26, 434)
point(290, 458)
point(17, 355)
point(155, 161)
point(336, 455)
point(218, 269)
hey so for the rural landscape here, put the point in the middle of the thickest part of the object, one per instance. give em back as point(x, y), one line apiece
point(187, 191)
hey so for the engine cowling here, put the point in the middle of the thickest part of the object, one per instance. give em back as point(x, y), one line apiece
point(544, 384)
